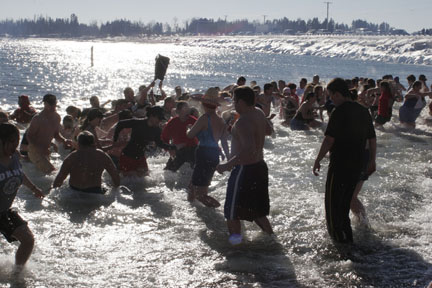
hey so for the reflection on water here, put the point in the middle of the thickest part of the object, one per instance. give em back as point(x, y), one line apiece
point(153, 237)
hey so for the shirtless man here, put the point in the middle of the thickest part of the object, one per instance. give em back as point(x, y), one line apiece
point(247, 192)
point(85, 167)
point(43, 128)
point(264, 100)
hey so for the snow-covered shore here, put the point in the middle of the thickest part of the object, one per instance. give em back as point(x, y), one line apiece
point(390, 49)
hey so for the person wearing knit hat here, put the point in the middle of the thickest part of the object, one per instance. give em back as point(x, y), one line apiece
point(209, 129)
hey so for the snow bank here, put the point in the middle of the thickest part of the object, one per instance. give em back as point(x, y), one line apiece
point(393, 49)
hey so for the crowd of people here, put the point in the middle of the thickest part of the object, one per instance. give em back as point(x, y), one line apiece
point(190, 127)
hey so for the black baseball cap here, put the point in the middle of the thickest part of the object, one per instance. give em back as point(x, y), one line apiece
point(50, 99)
point(156, 111)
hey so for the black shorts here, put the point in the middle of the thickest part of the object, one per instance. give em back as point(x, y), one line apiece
point(381, 119)
point(247, 195)
point(186, 154)
point(206, 160)
point(9, 222)
point(91, 190)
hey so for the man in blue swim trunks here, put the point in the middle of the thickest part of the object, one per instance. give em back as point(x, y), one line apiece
point(247, 192)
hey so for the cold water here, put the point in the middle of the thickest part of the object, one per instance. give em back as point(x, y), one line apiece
point(153, 237)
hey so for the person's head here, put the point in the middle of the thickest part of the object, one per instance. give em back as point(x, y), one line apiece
point(68, 122)
point(9, 139)
point(178, 91)
point(315, 79)
point(355, 81)
point(155, 115)
point(354, 94)
point(169, 103)
point(85, 139)
point(396, 79)
point(422, 78)
point(310, 97)
point(182, 109)
point(303, 82)
point(50, 102)
point(253, 83)
point(338, 91)
point(385, 86)
point(411, 78)
point(318, 90)
point(94, 102)
point(244, 98)
point(129, 94)
point(275, 85)
point(93, 118)
point(3, 117)
point(257, 90)
point(417, 85)
point(241, 81)
point(125, 114)
point(73, 111)
point(268, 88)
point(121, 104)
point(286, 91)
point(24, 101)
point(308, 89)
point(292, 87)
point(210, 100)
point(281, 85)
point(371, 83)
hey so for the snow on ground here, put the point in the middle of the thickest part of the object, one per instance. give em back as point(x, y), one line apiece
point(393, 49)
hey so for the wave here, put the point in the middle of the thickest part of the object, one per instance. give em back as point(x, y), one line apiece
point(390, 49)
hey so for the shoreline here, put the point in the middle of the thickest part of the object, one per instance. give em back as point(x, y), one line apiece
point(410, 50)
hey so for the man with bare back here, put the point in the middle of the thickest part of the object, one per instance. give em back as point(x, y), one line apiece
point(43, 128)
point(247, 192)
point(85, 167)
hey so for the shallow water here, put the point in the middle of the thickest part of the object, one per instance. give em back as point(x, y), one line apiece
point(152, 237)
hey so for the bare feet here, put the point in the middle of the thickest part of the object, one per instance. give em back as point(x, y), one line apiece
point(208, 201)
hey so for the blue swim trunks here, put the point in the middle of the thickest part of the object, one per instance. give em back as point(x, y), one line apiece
point(247, 195)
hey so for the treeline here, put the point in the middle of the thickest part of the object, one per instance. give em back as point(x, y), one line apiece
point(425, 32)
point(70, 27)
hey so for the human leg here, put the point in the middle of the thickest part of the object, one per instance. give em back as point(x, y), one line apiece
point(356, 206)
point(339, 191)
point(264, 224)
point(26, 239)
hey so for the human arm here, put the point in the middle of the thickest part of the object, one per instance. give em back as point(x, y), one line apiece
point(325, 147)
point(63, 173)
point(224, 142)
point(163, 94)
point(121, 125)
point(112, 171)
point(29, 184)
point(144, 93)
point(372, 156)
point(247, 153)
point(197, 127)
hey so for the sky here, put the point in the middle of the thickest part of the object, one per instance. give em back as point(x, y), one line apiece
point(404, 14)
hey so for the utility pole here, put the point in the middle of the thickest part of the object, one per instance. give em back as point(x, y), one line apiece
point(225, 24)
point(328, 4)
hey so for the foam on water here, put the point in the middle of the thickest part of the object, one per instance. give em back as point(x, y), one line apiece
point(153, 237)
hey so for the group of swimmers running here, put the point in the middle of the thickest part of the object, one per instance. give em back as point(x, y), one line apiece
point(117, 140)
